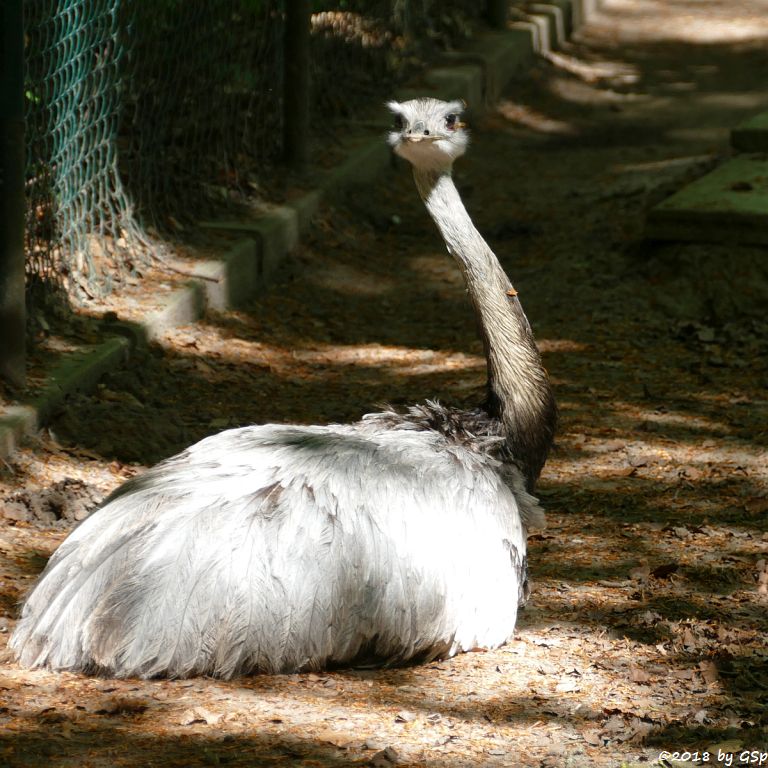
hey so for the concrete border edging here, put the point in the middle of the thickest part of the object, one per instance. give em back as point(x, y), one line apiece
point(477, 75)
point(79, 373)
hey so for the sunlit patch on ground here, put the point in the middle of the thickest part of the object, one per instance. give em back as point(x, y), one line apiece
point(528, 117)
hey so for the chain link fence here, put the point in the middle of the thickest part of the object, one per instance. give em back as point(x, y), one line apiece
point(141, 116)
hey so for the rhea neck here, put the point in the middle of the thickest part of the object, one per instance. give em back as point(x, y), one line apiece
point(519, 393)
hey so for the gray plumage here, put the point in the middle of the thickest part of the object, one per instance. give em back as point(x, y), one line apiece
point(281, 548)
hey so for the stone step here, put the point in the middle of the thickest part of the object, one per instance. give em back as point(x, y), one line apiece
point(752, 134)
point(729, 204)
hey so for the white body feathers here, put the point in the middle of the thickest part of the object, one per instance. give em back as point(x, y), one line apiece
point(280, 548)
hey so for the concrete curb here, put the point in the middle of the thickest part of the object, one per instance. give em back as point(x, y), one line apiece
point(751, 135)
point(477, 75)
point(727, 205)
point(79, 373)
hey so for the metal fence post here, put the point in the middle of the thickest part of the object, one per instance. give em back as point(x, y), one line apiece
point(296, 102)
point(12, 206)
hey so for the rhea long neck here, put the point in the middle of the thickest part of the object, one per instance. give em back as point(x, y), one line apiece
point(519, 392)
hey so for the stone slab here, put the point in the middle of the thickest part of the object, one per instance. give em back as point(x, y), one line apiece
point(729, 204)
point(463, 81)
point(538, 28)
point(752, 134)
point(571, 16)
point(185, 305)
point(500, 55)
point(276, 233)
point(234, 279)
point(78, 373)
point(558, 17)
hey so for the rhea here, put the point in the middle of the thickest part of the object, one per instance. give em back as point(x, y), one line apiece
point(280, 548)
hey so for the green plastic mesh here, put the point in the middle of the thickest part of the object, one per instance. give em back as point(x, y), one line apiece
point(138, 116)
point(201, 100)
point(73, 185)
point(142, 116)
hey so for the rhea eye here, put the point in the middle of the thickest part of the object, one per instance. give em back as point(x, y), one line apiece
point(451, 122)
point(398, 123)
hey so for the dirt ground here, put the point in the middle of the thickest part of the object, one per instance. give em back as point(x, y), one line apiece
point(646, 629)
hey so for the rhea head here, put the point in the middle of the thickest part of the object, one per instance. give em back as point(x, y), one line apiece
point(428, 133)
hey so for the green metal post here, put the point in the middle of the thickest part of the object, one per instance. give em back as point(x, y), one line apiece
point(12, 299)
point(296, 83)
